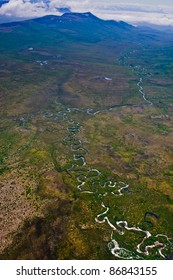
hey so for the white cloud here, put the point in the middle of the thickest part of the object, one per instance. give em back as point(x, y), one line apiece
point(20, 8)
point(131, 12)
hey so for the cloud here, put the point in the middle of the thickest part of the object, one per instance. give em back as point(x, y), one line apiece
point(160, 15)
point(24, 8)
point(131, 12)
point(2, 2)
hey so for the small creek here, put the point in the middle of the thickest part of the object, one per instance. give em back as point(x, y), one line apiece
point(89, 181)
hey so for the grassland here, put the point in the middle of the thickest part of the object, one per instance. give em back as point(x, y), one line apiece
point(43, 213)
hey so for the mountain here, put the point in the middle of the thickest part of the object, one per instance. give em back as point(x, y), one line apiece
point(162, 28)
point(86, 122)
point(76, 26)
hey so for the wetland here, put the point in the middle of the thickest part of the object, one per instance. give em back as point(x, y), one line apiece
point(86, 163)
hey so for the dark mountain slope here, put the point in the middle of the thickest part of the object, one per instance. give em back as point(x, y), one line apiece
point(74, 26)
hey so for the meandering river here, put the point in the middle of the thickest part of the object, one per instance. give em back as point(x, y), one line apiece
point(89, 181)
point(111, 188)
point(108, 188)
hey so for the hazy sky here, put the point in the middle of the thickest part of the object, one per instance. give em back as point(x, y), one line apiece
point(145, 2)
point(132, 11)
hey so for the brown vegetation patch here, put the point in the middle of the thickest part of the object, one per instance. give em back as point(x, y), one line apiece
point(15, 208)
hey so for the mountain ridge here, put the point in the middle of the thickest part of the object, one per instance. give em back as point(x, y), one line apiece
point(78, 27)
point(74, 26)
point(67, 16)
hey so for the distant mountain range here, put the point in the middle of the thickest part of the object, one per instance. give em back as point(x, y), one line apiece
point(73, 26)
point(77, 27)
point(72, 20)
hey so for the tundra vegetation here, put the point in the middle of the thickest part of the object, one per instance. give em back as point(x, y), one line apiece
point(86, 150)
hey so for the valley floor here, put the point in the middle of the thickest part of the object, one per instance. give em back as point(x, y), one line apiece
point(86, 163)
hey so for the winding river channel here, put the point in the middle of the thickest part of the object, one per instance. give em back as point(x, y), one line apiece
point(89, 181)
point(141, 90)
